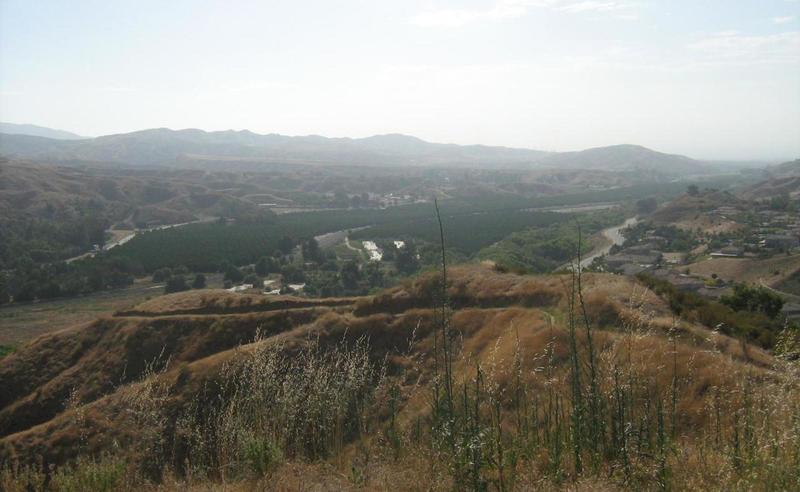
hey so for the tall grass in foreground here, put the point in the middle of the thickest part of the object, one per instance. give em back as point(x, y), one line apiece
point(630, 407)
point(610, 413)
point(275, 404)
point(270, 404)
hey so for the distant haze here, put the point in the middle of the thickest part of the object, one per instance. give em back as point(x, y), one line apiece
point(37, 131)
point(161, 147)
point(714, 80)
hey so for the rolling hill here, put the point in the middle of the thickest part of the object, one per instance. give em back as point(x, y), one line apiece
point(30, 190)
point(638, 159)
point(781, 179)
point(772, 187)
point(187, 148)
point(692, 212)
point(625, 157)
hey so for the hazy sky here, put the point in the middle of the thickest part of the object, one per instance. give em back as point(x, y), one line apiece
point(711, 79)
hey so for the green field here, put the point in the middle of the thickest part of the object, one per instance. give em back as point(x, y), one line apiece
point(471, 224)
point(467, 233)
point(203, 247)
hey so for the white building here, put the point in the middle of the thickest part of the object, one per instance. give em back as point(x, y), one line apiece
point(375, 253)
point(239, 288)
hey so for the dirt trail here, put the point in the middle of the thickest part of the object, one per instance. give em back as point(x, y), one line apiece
point(786, 295)
point(232, 310)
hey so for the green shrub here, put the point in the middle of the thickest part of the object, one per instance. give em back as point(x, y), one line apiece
point(199, 281)
point(253, 280)
point(5, 350)
point(104, 475)
point(15, 477)
point(162, 274)
point(755, 326)
point(262, 455)
point(756, 299)
point(176, 283)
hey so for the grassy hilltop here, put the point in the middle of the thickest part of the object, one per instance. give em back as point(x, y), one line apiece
point(518, 384)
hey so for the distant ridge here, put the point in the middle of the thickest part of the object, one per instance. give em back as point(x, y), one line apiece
point(779, 179)
point(37, 131)
point(623, 157)
point(166, 147)
point(162, 146)
point(791, 168)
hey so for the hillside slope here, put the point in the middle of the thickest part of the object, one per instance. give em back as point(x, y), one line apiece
point(769, 271)
point(776, 186)
point(625, 157)
point(37, 131)
point(140, 380)
point(790, 168)
point(691, 212)
point(780, 179)
point(30, 189)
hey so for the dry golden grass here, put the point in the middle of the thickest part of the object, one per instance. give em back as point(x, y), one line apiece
point(709, 224)
point(131, 376)
point(219, 301)
point(691, 212)
point(770, 270)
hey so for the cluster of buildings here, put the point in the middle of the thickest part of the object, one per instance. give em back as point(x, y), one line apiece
point(395, 199)
point(648, 256)
point(774, 231)
point(374, 251)
point(636, 259)
point(269, 286)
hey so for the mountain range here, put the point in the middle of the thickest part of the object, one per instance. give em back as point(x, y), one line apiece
point(165, 147)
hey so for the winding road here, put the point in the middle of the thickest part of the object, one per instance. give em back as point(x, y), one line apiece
point(614, 235)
